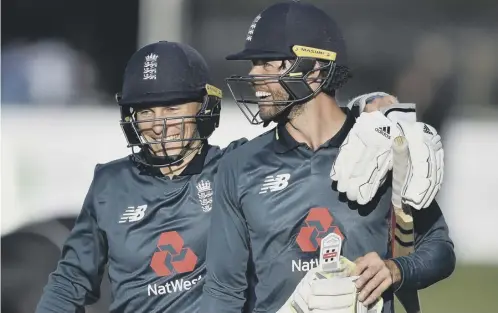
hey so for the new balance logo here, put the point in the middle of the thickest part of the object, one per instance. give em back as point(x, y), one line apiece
point(384, 131)
point(275, 183)
point(133, 214)
point(427, 130)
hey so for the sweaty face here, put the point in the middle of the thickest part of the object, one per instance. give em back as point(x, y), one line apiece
point(168, 129)
point(269, 90)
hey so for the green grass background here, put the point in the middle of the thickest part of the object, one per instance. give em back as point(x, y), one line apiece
point(470, 289)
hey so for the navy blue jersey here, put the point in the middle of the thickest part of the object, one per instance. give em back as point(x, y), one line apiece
point(274, 201)
point(150, 231)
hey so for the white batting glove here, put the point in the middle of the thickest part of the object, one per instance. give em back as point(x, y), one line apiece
point(425, 175)
point(363, 162)
point(426, 171)
point(365, 157)
point(325, 292)
point(298, 302)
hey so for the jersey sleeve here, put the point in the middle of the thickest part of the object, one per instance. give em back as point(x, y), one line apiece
point(227, 250)
point(434, 257)
point(76, 281)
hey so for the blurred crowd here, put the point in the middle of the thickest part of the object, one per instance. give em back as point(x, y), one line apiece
point(437, 55)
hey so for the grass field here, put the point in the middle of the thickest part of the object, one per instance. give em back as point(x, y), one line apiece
point(471, 289)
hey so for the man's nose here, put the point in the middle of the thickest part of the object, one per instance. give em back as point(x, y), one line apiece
point(168, 124)
point(256, 70)
point(160, 124)
point(159, 128)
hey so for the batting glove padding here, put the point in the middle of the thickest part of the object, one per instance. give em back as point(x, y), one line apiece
point(325, 292)
point(365, 157)
point(426, 171)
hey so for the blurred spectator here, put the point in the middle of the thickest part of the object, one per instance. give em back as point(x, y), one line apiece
point(46, 72)
point(14, 79)
point(430, 81)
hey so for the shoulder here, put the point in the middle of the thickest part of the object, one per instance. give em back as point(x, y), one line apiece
point(240, 147)
point(240, 154)
point(113, 171)
point(235, 145)
point(215, 152)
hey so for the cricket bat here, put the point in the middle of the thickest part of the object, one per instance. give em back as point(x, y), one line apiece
point(404, 239)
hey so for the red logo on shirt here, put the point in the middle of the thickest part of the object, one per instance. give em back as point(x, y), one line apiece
point(172, 257)
point(318, 225)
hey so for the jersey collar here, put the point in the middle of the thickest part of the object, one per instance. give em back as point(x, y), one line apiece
point(284, 142)
point(195, 166)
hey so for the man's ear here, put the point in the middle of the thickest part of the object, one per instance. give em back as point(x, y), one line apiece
point(285, 65)
point(314, 78)
point(316, 70)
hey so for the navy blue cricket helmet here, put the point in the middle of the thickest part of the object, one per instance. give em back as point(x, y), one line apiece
point(302, 34)
point(167, 74)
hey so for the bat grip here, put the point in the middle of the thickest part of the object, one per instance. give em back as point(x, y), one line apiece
point(401, 164)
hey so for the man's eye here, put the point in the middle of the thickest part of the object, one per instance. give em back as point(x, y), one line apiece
point(145, 113)
point(267, 65)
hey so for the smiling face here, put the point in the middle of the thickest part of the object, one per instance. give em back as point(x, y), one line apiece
point(167, 129)
point(269, 90)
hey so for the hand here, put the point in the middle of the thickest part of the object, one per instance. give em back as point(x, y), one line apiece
point(335, 295)
point(365, 157)
point(326, 292)
point(336, 292)
point(320, 292)
point(372, 101)
point(380, 102)
point(385, 103)
point(299, 299)
point(426, 171)
point(376, 276)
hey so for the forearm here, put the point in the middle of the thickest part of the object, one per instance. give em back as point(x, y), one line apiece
point(426, 266)
point(71, 286)
point(434, 257)
point(76, 281)
point(226, 282)
point(219, 299)
point(228, 250)
point(61, 295)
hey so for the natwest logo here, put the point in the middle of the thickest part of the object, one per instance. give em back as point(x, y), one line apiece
point(177, 285)
point(172, 256)
point(319, 223)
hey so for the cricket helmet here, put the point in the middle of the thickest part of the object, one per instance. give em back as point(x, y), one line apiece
point(167, 74)
point(303, 34)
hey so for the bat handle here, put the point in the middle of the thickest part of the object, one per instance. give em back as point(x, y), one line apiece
point(401, 164)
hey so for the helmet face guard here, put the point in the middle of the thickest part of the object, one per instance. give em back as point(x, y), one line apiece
point(294, 81)
point(206, 120)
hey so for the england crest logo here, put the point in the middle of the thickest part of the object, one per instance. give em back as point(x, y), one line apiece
point(205, 194)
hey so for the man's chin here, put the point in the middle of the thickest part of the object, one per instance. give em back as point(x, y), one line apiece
point(169, 152)
point(268, 115)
